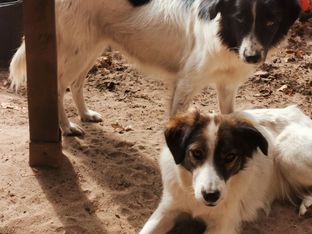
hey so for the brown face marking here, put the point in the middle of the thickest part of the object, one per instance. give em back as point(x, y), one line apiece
point(183, 119)
point(236, 142)
point(197, 150)
point(187, 139)
point(233, 165)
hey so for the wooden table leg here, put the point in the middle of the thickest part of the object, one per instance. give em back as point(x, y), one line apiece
point(40, 36)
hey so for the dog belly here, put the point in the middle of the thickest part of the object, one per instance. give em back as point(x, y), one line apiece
point(151, 50)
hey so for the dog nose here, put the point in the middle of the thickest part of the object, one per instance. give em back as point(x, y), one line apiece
point(211, 197)
point(255, 58)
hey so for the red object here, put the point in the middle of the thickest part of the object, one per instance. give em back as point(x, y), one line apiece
point(306, 5)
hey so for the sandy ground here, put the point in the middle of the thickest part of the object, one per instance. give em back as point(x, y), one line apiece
point(110, 181)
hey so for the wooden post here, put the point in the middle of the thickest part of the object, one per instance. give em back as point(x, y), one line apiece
point(40, 37)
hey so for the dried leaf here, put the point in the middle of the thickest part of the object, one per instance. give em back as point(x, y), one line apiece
point(119, 128)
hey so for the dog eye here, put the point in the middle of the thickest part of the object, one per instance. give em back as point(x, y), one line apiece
point(269, 23)
point(239, 18)
point(198, 154)
point(230, 158)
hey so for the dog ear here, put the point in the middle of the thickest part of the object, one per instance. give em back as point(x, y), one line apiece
point(178, 131)
point(290, 13)
point(208, 9)
point(253, 138)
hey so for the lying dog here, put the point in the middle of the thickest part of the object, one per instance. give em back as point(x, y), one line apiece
point(191, 43)
point(223, 169)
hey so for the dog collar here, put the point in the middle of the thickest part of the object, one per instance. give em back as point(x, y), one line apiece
point(306, 5)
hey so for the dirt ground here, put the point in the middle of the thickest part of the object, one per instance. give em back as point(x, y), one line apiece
point(110, 181)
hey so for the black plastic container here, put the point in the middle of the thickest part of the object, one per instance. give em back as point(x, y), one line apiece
point(11, 29)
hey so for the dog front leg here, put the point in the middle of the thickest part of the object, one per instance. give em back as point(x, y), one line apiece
point(226, 94)
point(161, 221)
point(183, 93)
point(222, 228)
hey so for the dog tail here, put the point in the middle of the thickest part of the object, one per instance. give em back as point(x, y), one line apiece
point(18, 68)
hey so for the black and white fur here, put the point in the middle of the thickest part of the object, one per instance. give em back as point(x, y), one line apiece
point(190, 43)
point(223, 169)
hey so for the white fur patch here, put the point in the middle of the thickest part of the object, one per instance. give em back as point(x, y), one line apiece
point(250, 45)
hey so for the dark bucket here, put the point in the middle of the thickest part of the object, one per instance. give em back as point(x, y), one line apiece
point(11, 29)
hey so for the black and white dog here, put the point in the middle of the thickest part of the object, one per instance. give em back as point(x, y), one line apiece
point(223, 169)
point(191, 43)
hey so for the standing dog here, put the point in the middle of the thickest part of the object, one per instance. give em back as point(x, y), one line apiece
point(191, 43)
point(223, 169)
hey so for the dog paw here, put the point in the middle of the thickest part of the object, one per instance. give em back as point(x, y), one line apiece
point(305, 209)
point(73, 130)
point(91, 116)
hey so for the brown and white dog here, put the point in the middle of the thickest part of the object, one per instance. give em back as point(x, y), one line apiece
point(223, 169)
point(190, 43)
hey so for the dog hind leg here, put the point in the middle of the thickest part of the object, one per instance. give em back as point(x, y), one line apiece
point(294, 154)
point(68, 128)
point(85, 113)
point(294, 158)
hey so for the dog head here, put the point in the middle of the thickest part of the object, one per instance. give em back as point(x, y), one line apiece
point(213, 149)
point(252, 27)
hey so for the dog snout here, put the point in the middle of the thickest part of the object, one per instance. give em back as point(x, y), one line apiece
point(211, 197)
point(252, 58)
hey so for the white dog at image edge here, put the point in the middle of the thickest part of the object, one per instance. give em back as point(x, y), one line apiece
point(188, 43)
point(223, 169)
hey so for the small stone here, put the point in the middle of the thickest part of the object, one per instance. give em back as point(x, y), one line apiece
point(262, 73)
point(283, 88)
